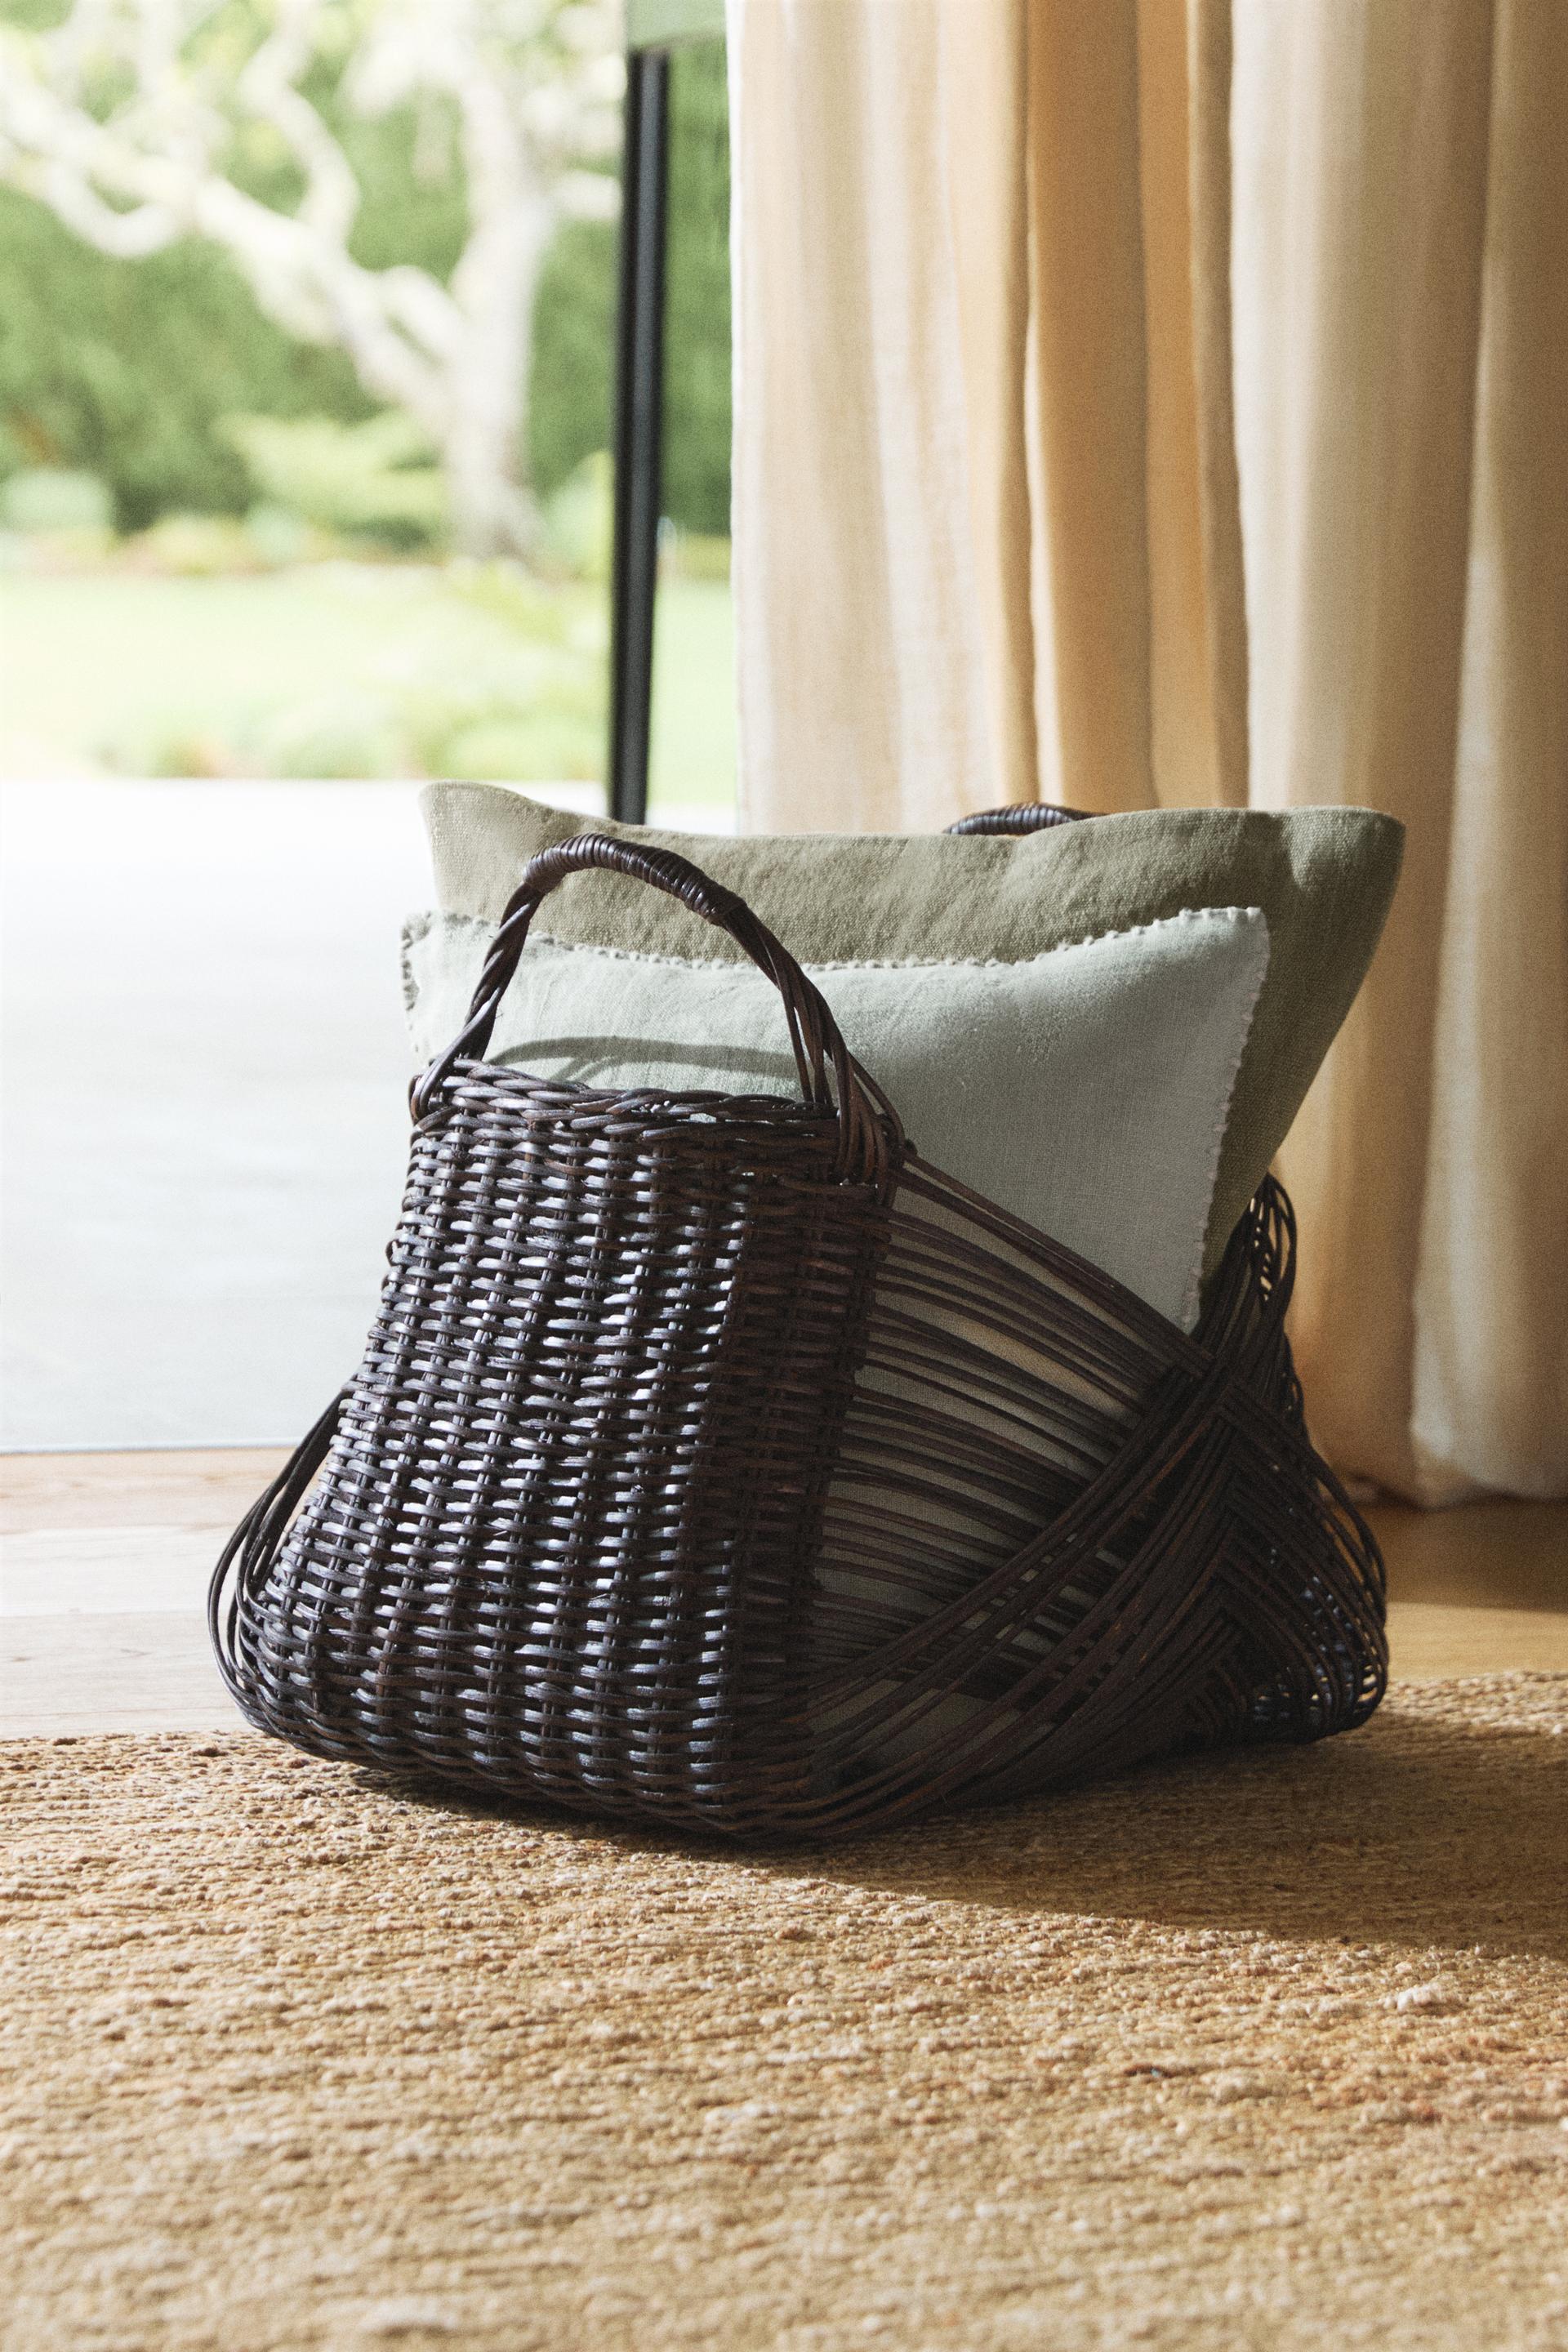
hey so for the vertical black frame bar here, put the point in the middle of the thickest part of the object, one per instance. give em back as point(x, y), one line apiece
point(639, 422)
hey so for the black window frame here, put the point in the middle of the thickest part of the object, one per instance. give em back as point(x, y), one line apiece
point(655, 28)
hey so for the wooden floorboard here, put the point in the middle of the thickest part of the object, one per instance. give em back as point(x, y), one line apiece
point(206, 1488)
point(107, 1557)
point(66, 1677)
point(1479, 1555)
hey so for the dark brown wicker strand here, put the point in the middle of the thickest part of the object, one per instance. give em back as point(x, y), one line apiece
point(1020, 816)
point(716, 1461)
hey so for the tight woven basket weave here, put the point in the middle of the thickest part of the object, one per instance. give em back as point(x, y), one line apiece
point(718, 1460)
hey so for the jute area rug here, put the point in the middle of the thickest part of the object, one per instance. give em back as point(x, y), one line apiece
point(1268, 2051)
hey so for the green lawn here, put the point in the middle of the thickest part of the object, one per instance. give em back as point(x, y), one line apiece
point(347, 669)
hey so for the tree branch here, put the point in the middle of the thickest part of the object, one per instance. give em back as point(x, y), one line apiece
point(267, 90)
point(397, 325)
point(123, 120)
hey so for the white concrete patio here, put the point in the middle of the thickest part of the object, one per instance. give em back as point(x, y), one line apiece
point(204, 1116)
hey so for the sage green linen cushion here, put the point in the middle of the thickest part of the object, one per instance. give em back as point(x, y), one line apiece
point(1084, 1089)
point(1322, 878)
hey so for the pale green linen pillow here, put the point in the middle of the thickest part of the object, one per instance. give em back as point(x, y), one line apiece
point(1085, 1089)
point(1322, 878)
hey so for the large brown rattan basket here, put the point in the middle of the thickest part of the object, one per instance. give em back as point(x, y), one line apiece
point(717, 1461)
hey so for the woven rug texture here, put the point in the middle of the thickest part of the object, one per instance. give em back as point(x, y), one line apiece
point(1266, 2051)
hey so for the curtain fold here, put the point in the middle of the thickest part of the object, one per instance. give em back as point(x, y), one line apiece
point(1167, 402)
point(1360, 142)
point(1490, 1405)
point(855, 442)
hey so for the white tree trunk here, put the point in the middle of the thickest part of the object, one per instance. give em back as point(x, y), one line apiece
point(494, 288)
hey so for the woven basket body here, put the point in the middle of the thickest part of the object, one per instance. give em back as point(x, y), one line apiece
point(717, 1461)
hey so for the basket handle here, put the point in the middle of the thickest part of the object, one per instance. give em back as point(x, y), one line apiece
point(870, 1133)
point(1020, 816)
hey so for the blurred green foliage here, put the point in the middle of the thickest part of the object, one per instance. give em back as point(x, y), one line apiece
point(347, 669)
point(569, 393)
point(124, 369)
point(376, 478)
point(579, 518)
point(52, 499)
point(128, 370)
point(697, 294)
point(570, 377)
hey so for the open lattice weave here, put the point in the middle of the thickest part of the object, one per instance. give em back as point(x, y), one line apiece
point(716, 1460)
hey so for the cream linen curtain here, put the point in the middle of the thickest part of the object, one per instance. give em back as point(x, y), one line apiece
point(1155, 402)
